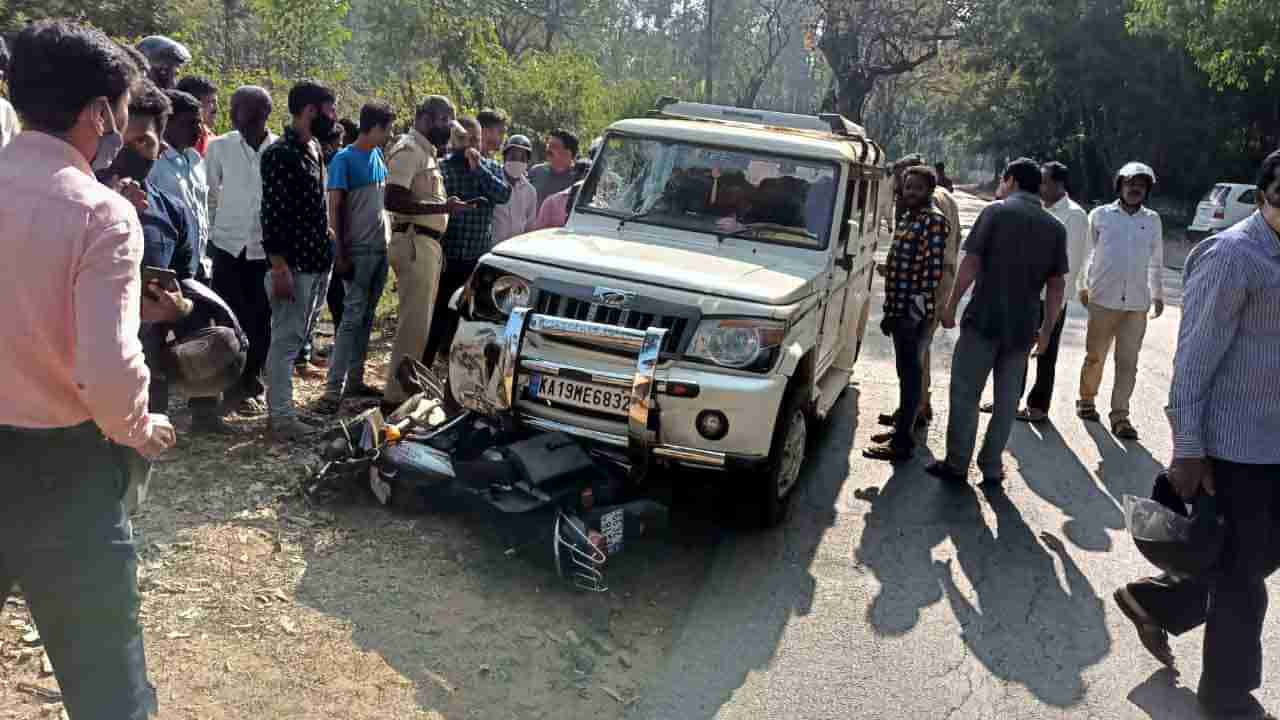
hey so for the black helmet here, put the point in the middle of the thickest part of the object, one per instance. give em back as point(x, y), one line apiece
point(1181, 545)
point(158, 48)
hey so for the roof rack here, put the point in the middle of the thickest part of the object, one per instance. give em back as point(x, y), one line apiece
point(824, 123)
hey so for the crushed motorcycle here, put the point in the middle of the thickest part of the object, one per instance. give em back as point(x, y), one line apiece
point(422, 455)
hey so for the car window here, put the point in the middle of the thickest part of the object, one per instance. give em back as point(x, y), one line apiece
point(1212, 195)
point(1248, 197)
point(772, 198)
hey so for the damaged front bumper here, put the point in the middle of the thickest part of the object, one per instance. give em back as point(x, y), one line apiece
point(491, 365)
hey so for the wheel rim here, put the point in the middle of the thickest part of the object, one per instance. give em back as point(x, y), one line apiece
point(792, 453)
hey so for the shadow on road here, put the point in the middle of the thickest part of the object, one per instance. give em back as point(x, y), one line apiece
point(1161, 697)
point(758, 582)
point(1126, 468)
point(1054, 472)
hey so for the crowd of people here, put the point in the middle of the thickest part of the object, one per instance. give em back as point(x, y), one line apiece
point(1024, 256)
point(146, 253)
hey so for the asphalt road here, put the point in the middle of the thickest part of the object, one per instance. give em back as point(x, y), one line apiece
point(888, 596)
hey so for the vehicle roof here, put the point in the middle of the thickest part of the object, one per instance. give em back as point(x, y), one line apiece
point(782, 141)
point(1234, 185)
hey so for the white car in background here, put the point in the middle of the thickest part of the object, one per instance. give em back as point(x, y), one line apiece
point(1223, 206)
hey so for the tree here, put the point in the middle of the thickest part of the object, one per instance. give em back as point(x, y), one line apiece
point(305, 36)
point(118, 18)
point(770, 27)
point(1237, 42)
point(864, 41)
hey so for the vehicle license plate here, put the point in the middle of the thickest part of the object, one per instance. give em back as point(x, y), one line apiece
point(579, 394)
point(611, 524)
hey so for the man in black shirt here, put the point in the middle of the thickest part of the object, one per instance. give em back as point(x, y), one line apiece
point(1014, 250)
point(298, 242)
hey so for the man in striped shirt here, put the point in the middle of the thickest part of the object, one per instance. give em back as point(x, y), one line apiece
point(1225, 415)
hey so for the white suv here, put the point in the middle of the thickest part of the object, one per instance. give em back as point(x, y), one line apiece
point(703, 306)
point(1223, 206)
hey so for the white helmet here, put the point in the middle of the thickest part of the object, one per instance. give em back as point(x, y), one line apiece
point(1133, 170)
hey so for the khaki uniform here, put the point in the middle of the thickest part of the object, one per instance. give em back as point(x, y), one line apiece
point(947, 204)
point(416, 257)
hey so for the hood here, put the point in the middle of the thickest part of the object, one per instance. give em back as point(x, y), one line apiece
point(725, 270)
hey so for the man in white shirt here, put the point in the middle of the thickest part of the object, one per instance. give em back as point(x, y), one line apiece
point(239, 262)
point(1054, 181)
point(1123, 279)
point(180, 172)
point(518, 215)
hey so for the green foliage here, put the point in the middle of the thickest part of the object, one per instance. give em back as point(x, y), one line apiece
point(134, 18)
point(1237, 42)
point(304, 35)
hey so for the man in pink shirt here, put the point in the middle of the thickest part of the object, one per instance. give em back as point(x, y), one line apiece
point(73, 404)
point(556, 208)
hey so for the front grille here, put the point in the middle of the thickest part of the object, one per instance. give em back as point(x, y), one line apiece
point(557, 305)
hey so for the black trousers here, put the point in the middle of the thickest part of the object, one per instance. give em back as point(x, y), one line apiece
point(66, 540)
point(909, 345)
point(241, 284)
point(1232, 603)
point(1041, 395)
point(444, 322)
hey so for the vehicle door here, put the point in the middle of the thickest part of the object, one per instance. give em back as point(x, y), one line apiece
point(852, 221)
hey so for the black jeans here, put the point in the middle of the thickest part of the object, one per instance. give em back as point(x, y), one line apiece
point(444, 322)
point(1232, 603)
point(909, 344)
point(1041, 395)
point(66, 540)
point(240, 282)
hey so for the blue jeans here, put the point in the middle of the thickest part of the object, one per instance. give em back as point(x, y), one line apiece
point(363, 290)
point(65, 538)
point(290, 327)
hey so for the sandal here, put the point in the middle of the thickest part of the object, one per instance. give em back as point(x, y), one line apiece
point(888, 453)
point(328, 405)
point(1152, 636)
point(1032, 415)
point(987, 408)
point(943, 471)
point(1088, 412)
point(1124, 430)
point(882, 438)
point(888, 420)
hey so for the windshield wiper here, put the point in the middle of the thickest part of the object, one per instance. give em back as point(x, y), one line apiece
point(753, 229)
point(637, 215)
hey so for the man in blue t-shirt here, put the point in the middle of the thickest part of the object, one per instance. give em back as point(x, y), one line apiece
point(357, 182)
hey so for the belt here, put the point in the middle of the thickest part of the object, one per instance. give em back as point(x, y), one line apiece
point(407, 227)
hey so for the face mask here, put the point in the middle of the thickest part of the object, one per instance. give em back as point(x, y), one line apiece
point(109, 144)
point(321, 126)
point(131, 164)
point(515, 168)
point(439, 136)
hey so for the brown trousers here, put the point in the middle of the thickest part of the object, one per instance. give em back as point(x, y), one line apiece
point(1125, 329)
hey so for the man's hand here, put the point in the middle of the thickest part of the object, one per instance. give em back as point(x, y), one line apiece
point(882, 270)
point(473, 158)
point(1188, 475)
point(162, 306)
point(342, 266)
point(1084, 298)
point(888, 324)
point(281, 282)
point(162, 437)
point(1042, 345)
point(949, 317)
point(133, 192)
point(1157, 309)
point(456, 204)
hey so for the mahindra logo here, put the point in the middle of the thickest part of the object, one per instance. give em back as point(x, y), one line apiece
point(612, 298)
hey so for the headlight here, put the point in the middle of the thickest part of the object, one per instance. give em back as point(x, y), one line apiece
point(494, 294)
point(509, 292)
point(744, 343)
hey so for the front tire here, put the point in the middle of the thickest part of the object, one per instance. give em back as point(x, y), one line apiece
point(773, 487)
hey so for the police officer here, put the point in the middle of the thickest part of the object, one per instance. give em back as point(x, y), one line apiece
point(419, 209)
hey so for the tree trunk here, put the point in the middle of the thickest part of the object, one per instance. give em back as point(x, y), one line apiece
point(852, 92)
point(708, 80)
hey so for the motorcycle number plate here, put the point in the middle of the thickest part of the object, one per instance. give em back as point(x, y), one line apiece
point(611, 526)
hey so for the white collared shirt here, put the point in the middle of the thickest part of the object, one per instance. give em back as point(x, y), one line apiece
point(1076, 220)
point(235, 194)
point(1126, 258)
point(9, 125)
point(182, 175)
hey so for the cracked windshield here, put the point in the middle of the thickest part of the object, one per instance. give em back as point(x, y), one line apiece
point(714, 190)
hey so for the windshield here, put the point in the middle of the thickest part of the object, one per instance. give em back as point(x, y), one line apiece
point(702, 188)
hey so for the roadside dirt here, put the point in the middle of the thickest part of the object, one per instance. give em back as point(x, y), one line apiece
point(259, 605)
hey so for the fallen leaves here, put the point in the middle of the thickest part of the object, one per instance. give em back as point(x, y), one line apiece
point(40, 692)
point(288, 625)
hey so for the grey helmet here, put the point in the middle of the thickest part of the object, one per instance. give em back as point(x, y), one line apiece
point(158, 48)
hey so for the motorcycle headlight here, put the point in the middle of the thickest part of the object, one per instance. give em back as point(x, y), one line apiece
point(742, 343)
point(494, 294)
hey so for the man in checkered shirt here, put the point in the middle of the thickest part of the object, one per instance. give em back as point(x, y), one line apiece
point(479, 181)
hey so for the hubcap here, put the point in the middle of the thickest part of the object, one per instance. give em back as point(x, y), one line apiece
point(792, 453)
